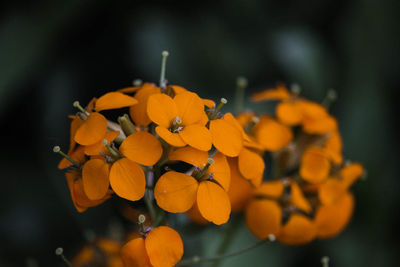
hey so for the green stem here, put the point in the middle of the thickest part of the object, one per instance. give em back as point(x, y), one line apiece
point(149, 205)
point(229, 235)
point(196, 260)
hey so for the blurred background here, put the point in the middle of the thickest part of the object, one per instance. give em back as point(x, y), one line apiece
point(55, 52)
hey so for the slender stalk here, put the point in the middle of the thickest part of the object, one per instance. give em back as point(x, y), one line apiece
point(196, 260)
point(163, 68)
point(229, 236)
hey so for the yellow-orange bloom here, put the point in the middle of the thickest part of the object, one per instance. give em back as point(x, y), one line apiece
point(180, 119)
point(125, 176)
point(177, 192)
point(162, 247)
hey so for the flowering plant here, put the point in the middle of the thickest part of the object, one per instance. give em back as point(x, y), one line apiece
point(175, 152)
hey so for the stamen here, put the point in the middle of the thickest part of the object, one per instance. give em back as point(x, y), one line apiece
point(241, 84)
point(220, 105)
point(78, 106)
point(176, 125)
point(204, 170)
point(252, 123)
point(57, 149)
point(126, 124)
point(114, 153)
point(137, 82)
point(163, 82)
point(60, 252)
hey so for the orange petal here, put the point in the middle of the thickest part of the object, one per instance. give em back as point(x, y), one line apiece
point(178, 89)
point(164, 246)
point(134, 253)
point(297, 198)
point(79, 198)
point(213, 202)
point(332, 219)
point(98, 147)
point(173, 139)
point(240, 190)
point(263, 217)
point(312, 110)
point(78, 155)
point(320, 126)
point(92, 130)
point(138, 112)
point(127, 179)
point(114, 100)
point(142, 147)
point(208, 103)
point(129, 90)
point(190, 155)
point(161, 109)
point(278, 93)
point(95, 179)
point(251, 166)
point(351, 173)
point(315, 166)
point(175, 192)
point(197, 136)
point(272, 135)
point(190, 107)
point(220, 171)
point(331, 191)
point(298, 230)
point(75, 124)
point(333, 147)
point(273, 189)
point(195, 216)
point(289, 113)
point(226, 137)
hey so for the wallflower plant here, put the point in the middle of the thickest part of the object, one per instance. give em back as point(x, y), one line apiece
point(174, 152)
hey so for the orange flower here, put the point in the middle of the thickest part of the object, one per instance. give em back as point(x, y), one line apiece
point(180, 120)
point(78, 195)
point(270, 204)
point(162, 247)
point(207, 184)
point(125, 176)
point(93, 126)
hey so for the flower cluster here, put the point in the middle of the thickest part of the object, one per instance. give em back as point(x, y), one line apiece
point(180, 154)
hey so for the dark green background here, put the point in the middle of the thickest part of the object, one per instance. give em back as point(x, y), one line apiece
point(55, 52)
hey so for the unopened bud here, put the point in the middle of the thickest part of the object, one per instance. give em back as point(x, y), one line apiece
point(255, 119)
point(76, 104)
point(104, 142)
point(224, 101)
point(210, 161)
point(295, 89)
point(56, 149)
point(165, 53)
